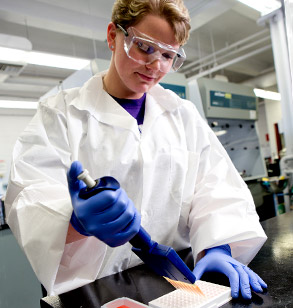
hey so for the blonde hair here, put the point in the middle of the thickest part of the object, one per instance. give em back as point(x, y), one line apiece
point(130, 12)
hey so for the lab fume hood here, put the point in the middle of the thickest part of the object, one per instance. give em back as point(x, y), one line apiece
point(231, 111)
point(227, 100)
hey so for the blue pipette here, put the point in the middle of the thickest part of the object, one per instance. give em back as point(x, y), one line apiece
point(160, 258)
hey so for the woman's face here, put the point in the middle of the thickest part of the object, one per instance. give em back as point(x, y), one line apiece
point(130, 78)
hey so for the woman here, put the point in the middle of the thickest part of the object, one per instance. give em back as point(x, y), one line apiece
point(177, 180)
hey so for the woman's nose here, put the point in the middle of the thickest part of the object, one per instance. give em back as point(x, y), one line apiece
point(155, 65)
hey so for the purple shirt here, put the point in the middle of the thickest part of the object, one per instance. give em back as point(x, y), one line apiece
point(135, 107)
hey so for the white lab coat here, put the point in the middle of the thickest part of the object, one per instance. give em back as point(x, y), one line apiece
point(176, 172)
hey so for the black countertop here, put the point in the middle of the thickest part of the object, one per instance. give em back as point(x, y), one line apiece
point(273, 263)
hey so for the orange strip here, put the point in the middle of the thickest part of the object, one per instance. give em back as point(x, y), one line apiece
point(185, 286)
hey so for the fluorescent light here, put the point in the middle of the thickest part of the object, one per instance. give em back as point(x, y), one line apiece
point(263, 6)
point(12, 55)
point(40, 58)
point(7, 104)
point(267, 94)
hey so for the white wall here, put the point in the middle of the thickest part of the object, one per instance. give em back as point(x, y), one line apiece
point(12, 123)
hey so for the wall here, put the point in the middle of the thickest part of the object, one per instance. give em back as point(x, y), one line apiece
point(12, 123)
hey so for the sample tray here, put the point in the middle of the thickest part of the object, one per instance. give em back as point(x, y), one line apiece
point(215, 296)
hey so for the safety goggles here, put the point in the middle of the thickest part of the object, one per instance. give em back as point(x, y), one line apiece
point(145, 50)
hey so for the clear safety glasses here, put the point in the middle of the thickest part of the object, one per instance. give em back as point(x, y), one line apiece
point(145, 50)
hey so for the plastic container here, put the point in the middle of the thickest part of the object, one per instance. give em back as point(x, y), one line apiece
point(124, 302)
point(215, 296)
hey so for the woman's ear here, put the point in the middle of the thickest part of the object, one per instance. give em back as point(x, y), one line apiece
point(111, 35)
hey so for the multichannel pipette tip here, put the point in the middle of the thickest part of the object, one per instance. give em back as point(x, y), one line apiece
point(185, 286)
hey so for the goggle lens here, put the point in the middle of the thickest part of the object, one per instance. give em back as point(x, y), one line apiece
point(145, 50)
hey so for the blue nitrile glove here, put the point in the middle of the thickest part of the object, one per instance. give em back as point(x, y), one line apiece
point(219, 259)
point(109, 215)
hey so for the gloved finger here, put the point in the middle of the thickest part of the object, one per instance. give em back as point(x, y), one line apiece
point(121, 223)
point(126, 234)
point(255, 281)
point(211, 264)
point(74, 184)
point(121, 210)
point(244, 282)
point(261, 282)
point(107, 199)
point(228, 269)
point(199, 269)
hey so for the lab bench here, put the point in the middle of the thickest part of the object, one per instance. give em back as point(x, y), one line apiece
point(273, 263)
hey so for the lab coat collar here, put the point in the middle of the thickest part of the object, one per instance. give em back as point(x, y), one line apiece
point(93, 98)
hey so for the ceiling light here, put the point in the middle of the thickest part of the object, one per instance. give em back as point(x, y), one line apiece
point(45, 59)
point(263, 6)
point(18, 56)
point(12, 55)
point(267, 94)
point(8, 104)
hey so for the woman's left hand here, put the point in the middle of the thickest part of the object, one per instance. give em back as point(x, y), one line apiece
point(241, 277)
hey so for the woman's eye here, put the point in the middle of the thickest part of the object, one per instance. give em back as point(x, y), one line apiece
point(168, 56)
point(146, 48)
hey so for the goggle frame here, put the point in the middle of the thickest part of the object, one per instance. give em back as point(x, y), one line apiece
point(131, 34)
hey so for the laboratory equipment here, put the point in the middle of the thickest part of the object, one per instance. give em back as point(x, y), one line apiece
point(215, 296)
point(231, 111)
point(185, 286)
point(240, 140)
point(227, 100)
point(160, 258)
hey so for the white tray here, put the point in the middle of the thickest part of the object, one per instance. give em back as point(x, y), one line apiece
point(215, 296)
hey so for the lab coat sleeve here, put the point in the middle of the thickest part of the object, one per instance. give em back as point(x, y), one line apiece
point(223, 210)
point(39, 208)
